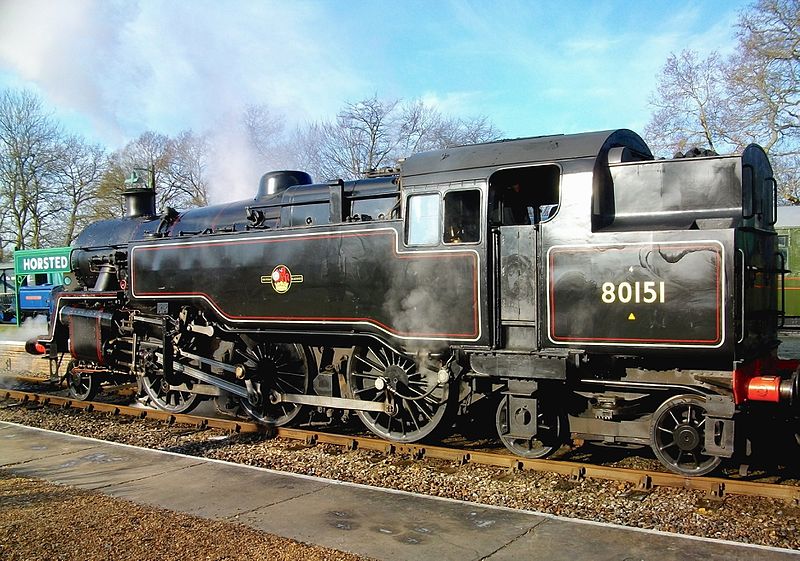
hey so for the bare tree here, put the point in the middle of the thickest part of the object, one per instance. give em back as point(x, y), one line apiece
point(689, 104)
point(424, 128)
point(29, 153)
point(752, 96)
point(362, 138)
point(79, 174)
point(153, 152)
point(265, 131)
point(763, 78)
point(176, 167)
point(109, 202)
point(375, 133)
point(188, 168)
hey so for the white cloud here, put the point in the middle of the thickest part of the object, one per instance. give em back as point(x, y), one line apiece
point(454, 103)
point(150, 64)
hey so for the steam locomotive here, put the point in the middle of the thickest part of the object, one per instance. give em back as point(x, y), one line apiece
point(574, 283)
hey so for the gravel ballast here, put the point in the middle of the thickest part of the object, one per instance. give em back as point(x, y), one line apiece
point(744, 519)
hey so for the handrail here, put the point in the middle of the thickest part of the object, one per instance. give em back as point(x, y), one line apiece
point(774, 199)
point(741, 338)
point(782, 272)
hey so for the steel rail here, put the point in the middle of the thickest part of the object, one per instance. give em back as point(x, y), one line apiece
point(643, 479)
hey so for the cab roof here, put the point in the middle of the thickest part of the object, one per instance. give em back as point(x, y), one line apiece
point(523, 150)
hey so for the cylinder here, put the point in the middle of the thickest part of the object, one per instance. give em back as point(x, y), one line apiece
point(86, 332)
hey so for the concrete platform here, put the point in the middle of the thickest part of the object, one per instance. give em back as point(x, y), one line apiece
point(14, 359)
point(388, 525)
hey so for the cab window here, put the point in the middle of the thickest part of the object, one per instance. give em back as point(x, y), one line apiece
point(462, 216)
point(524, 196)
point(423, 219)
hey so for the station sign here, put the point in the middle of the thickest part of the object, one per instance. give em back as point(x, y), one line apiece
point(47, 267)
point(37, 261)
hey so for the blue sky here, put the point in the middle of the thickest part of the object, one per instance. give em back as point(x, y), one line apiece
point(111, 70)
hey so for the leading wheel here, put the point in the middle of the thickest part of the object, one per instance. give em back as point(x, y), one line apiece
point(678, 436)
point(284, 368)
point(549, 429)
point(418, 397)
point(81, 384)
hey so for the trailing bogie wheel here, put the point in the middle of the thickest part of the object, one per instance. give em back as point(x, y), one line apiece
point(678, 436)
point(550, 426)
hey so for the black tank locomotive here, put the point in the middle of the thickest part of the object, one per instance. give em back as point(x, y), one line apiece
point(575, 283)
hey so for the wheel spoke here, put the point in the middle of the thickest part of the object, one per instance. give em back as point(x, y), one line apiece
point(425, 413)
point(385, 362)
point(283, 384)
point(414, 420)
point(371, 364)
point(291, 373)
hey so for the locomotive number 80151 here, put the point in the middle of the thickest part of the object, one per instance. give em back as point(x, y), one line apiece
point(581, 287)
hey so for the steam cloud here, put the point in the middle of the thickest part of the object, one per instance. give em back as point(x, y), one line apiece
point(31, 327)
point(169, 66)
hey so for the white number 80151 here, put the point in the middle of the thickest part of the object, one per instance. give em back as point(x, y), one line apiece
point(637, 292)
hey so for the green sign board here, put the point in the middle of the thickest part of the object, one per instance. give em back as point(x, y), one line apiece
point(33, 264)
point(36, 261)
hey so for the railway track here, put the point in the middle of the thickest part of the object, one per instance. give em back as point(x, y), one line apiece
point(643, 479)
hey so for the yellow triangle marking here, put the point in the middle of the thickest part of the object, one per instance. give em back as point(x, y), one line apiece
point(631, 317)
